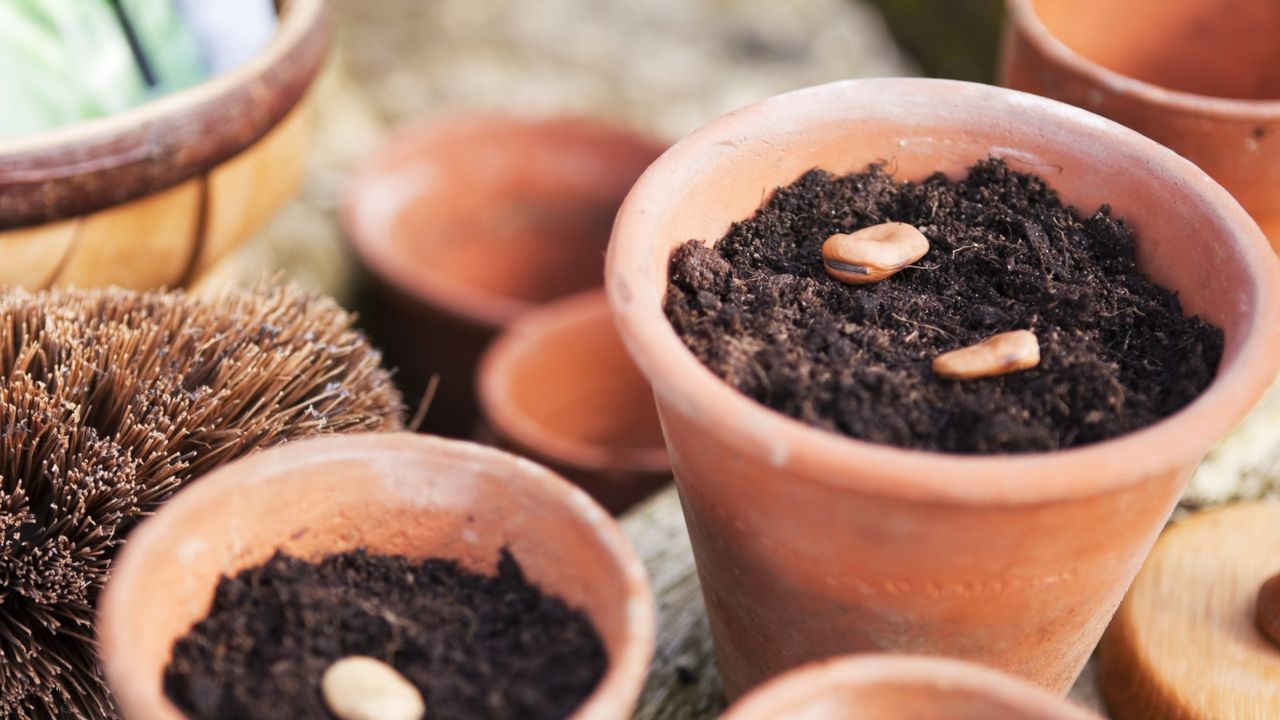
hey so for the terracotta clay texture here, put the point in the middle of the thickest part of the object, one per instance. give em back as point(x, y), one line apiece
point(1199, 76)
point(1185, 643)
point(392, 493)
point(463, 223)
point(901, 687)
point(557, 386)
point(104, 162)
point(811, 545)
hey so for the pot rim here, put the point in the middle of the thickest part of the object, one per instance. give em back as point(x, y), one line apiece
point(1022, 15)
point(504, 354)
point(616, 691)
point(681, 380)
point(98, 163)
point(367, 218)
point(779, 695)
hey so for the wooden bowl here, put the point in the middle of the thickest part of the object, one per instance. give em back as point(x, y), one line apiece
point(1185, 642)
point(155, 195)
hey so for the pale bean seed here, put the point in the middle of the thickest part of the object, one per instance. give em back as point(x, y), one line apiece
point(362, 688)
point(997, 355)
point(873, 253)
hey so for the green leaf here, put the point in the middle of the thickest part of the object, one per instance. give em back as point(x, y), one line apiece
point(63, 61)
point(41, 89)
point(92, 35)
point(169, 45)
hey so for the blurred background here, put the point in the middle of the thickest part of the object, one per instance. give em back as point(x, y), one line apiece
point(662, 66)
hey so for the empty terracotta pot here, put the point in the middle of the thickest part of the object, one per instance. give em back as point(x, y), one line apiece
point(464, 223)
point(1200, 76)
point(558, 386)
point(391, 493)
point(811, 544)
point(901, 687)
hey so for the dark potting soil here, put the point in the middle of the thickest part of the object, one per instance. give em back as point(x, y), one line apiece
point(476, 646)
point(1116, 351)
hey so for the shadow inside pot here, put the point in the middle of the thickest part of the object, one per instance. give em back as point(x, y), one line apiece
point(462, 224)
point(557, 385)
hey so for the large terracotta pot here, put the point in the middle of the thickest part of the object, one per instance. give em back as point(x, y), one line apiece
point(396, 493)
point(1200, 76)
point(810, 544)
point(558, 386)
point(465, 222)
point(900, 687)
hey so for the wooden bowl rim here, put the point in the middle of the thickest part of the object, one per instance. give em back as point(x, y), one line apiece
point(87, 166)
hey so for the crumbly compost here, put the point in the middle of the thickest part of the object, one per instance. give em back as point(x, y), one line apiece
point(475, 646)
point(1006, 253)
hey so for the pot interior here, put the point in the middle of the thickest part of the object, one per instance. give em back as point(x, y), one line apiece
point(1221, 48)
point(497, 215)
point(568, 389)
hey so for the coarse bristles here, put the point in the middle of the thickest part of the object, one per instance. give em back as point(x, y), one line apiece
point(110, 400)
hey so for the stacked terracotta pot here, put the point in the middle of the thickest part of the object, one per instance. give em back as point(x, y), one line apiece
point(467, 224)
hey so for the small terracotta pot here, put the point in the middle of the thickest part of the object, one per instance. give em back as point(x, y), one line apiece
point(1200, 76)
point(391, 493)
point(810, 544)
point(558, 386)
point(901, 687)
point(464, 223)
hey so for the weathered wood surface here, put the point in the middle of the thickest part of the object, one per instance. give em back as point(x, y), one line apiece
point(683, 683)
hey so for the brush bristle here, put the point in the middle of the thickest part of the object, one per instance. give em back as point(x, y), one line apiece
point(110, 400)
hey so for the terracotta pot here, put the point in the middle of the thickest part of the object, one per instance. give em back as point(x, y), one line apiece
point(464, 223)
point(558, 386)
point(810, 544)
point(901, 687)
point(1200, 76)
point(391, 493)
point(156, 195)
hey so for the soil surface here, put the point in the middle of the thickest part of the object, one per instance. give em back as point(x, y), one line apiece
point(476, 646)
point(1116, 351)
